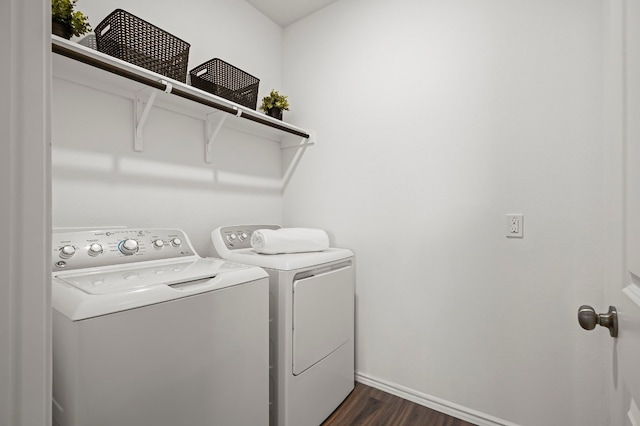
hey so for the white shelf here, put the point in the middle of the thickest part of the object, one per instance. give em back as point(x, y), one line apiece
point(88, 67)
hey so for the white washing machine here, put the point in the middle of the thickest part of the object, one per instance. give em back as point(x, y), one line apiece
point(311, 331)
point(147, 333)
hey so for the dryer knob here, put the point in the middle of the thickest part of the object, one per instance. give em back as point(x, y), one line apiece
point(67, 251)
point(128, 246)
point(158, 243)
point(176, 242)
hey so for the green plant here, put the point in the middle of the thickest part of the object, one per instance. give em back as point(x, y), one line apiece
point(274, 100)
point(62, 12)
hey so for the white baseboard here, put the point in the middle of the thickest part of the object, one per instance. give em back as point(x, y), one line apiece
point(463, 413)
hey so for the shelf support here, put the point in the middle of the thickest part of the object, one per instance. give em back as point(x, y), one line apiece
point(293, 162)
point(141, 113)
point(208, 148)
point(208, 144)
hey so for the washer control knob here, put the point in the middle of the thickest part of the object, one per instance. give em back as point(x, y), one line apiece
point(67, 251)
point(158, 243)
point(128, 246)
point(176, 242)
point(243, 236)
point(231, 237)
point(95, 249)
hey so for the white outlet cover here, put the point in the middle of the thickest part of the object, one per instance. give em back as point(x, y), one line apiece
point(515, 223)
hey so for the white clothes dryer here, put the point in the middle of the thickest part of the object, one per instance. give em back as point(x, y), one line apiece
point(311, 329)
point(147, 333)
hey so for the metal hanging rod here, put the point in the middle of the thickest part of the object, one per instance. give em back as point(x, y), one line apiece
point(106, 66)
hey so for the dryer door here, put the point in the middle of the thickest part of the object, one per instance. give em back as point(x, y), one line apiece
point(323, 315)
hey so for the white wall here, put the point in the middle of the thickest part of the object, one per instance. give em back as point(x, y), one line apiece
point(434, 120)
point(98, 179)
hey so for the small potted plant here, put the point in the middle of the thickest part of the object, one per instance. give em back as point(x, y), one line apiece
point(274, 104)
point(65, 22)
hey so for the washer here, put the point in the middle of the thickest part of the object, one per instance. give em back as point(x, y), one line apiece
point(311, 331)
point(147, 333)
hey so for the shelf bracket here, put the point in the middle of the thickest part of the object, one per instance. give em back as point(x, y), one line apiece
point(141, 113)
point(295, 159)
point(208, 143)
point(208, 147)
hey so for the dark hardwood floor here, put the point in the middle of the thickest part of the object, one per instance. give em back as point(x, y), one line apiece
point(372, 407)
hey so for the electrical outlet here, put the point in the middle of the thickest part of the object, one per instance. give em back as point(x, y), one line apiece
point(514, 225)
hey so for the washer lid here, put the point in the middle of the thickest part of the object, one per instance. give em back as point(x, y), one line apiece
point(105, 290)
point(290, 261)
point(129, 278)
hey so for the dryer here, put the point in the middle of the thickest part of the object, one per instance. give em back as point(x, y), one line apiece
point(311, 328)
point(147, 333)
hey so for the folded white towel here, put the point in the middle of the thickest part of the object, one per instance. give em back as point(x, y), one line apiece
point(289, 240)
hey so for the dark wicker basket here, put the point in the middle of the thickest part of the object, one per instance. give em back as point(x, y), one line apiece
point(127, 37)
point(89, 41)
point(222, 79)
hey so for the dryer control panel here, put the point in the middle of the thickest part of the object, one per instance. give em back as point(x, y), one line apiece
point(228, 238)
point(88, 249)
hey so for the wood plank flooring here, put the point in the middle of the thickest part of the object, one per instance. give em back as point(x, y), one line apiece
point(368, 406)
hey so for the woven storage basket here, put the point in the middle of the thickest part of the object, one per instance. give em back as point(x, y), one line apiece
point(89, 41)
point(223, 79)
point(127, 37)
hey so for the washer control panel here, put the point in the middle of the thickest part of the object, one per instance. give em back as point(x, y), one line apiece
point(88, 249)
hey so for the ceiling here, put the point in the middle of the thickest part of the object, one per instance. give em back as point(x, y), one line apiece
point(285, 12)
